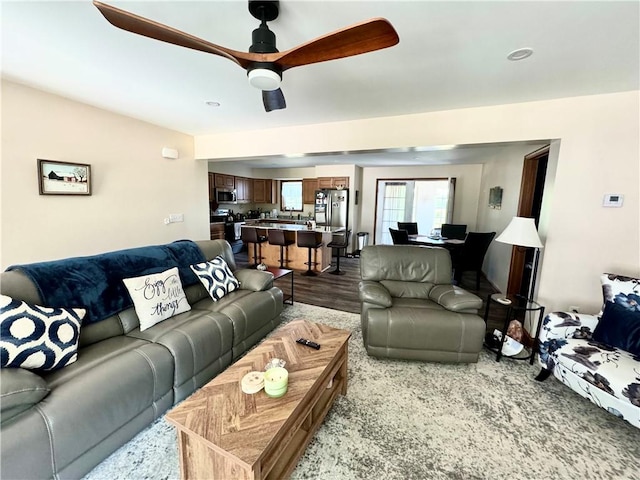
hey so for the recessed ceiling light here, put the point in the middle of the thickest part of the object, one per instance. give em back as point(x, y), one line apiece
point(520, 54)
point(213, 104)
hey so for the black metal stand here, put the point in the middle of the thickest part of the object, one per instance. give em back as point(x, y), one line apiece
point(518, 304)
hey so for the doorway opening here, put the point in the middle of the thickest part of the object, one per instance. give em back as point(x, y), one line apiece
point(534, 172)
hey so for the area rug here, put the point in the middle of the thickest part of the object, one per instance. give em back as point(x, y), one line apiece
point(415, 420)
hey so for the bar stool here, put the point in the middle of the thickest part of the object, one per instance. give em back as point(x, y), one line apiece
point(339, 241)
point(278, 237)
point(310, 240)
point(251, 235)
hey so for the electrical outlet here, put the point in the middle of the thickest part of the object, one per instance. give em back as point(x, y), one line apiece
point(574, 308)
point(176, 217)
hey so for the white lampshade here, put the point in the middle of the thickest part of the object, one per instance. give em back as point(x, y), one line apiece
point(521, 232)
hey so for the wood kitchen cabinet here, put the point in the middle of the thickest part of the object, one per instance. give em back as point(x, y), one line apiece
point(333, 182)
point(212, 187)
point(244, 189)
point(224, 181)
point(309, 187)
point(264, 190)
point(217, 230)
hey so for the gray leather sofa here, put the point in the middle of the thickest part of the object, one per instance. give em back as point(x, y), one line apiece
point(411, 310)
point(63, 423)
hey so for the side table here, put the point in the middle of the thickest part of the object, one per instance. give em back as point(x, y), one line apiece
point(281, 273)
point(518, 304)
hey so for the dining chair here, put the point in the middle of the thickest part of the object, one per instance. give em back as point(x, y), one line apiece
point(399, 237)
point(471, 255)
point(410, 227)
point(453, 231)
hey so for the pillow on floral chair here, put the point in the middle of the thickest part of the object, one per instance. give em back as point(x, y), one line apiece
point(624, 291)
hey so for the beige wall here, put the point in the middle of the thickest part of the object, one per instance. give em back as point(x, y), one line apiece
point(597, 153)
point(134, 188)
point(504, 170)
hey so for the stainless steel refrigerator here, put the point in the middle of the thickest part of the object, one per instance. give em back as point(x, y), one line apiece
point(332, 208)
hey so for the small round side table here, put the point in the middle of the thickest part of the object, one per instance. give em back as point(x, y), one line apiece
point(518, 303)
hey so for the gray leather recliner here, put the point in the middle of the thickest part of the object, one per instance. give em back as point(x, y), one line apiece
point(411, 310)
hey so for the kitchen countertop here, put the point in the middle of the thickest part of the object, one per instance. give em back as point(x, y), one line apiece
point(295, 227)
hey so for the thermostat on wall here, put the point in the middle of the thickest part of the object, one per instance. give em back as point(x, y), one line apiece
point(612, 200)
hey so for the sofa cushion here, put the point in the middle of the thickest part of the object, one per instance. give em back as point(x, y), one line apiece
point(157, 297)
point(405, 263)
point(420, 333)
point(408, 289)
point(216, 276)
point(38, 338)
point(200, 342)
point(619, 327)
point(19, 390)
point(621, 289)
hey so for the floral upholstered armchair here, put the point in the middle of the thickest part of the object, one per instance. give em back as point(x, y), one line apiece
point(598, 356)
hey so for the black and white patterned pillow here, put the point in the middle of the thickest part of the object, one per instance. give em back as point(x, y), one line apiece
point(620, 289)
point(216, 276)
point(38, 338)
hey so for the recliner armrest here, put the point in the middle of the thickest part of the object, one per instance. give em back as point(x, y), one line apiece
point(375, 293)
point(254, 280)
point(19, 390)
point(455, 298)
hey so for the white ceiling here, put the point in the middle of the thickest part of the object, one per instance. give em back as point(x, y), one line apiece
point(451, 55)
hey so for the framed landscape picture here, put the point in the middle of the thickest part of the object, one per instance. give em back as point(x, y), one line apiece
point(63, 178)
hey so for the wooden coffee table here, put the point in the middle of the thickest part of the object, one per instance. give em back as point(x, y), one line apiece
point(227, 434)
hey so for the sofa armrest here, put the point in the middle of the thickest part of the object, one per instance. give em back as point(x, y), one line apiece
point(557, 327)
point(455, 299)
point(19, 390)
point(254, 280)
point(374, 293)
point(563, 325)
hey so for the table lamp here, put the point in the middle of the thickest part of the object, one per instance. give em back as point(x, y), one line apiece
point(522, 232)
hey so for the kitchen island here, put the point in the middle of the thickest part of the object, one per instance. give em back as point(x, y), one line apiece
point(294, 257)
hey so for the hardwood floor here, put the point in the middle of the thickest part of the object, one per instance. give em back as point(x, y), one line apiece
point(340, 292)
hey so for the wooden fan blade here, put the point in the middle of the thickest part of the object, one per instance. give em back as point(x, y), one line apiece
point(364, 37)
point(148, 28)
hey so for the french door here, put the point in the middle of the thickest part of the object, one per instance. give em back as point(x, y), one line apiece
point(428, 202)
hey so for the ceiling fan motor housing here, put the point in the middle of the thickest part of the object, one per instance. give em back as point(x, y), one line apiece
point(264, 75)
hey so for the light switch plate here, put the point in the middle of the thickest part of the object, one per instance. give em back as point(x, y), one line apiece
point(612, 200)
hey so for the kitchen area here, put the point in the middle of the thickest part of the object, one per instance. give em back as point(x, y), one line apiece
point(242, 202)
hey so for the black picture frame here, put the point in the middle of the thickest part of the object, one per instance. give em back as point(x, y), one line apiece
point(495, 198)
point(63, 178)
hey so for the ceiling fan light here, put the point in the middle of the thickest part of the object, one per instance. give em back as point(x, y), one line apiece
point(264, 79)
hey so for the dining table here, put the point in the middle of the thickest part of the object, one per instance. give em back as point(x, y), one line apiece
point(433, 241)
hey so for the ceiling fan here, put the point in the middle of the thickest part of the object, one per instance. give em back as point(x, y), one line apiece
point(263, 63)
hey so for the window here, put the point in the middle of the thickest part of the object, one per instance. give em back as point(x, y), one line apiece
point(291, 195)
point(393, 207)
point(427, 202)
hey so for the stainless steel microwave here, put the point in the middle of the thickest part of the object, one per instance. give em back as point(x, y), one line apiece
point(225, 195)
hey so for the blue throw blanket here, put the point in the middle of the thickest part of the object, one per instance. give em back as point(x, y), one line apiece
point(95, 282)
